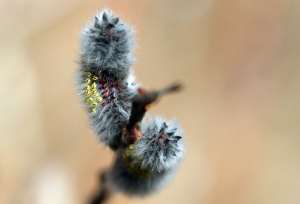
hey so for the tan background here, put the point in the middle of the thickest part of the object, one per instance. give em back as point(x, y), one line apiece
point(239, 61)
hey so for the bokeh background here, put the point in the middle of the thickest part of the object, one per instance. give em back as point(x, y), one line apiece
point(239, 61)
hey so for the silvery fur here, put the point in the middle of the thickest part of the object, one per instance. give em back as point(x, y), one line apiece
point(106, 47)
point(161, 158)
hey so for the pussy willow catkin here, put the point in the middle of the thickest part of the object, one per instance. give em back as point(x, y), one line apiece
point(149, 164)
point(106, 88)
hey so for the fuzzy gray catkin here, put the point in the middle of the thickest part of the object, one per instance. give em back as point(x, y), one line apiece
point(106, 88)
point(105, 83)
point(149, 164)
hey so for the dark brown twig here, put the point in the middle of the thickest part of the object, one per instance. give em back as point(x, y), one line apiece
point(140, 104)
point(103, 193)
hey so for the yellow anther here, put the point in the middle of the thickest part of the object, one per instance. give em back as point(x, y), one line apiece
point(130, 147)
point(87, 87)
point(94, 85)
point(99, 99)
point(94, 110)
point(94, 91)
point(95, 78)
point(88, 92)
point(89, 101)
point(87, 80)
point(97, 94)
point(94, 104)
point(89, 74)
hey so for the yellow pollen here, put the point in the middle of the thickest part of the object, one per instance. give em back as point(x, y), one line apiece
point(99, 99)
point(87, 87)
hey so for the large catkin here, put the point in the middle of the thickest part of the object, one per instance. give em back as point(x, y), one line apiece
point(105, 83)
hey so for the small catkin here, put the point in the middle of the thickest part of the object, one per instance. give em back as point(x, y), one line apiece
point(149, 164)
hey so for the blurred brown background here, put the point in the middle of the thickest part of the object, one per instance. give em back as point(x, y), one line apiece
point(239, 61)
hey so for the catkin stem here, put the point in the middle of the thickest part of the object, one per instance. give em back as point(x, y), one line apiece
point(103, 193)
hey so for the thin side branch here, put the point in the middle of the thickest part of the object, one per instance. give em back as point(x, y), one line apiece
point(140, 104)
